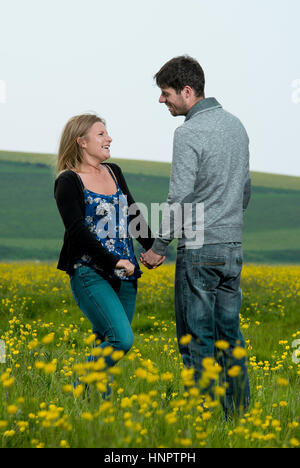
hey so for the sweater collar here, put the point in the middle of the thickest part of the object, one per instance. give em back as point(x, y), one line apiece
point(203, 105)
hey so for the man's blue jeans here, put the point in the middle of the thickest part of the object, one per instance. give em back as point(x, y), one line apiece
point(208, 299)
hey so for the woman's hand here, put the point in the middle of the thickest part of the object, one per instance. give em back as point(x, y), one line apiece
point(127, 266)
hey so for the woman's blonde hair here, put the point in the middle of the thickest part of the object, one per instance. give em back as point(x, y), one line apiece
point(69, 152)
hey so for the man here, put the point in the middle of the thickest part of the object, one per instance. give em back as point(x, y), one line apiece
point(210, 168)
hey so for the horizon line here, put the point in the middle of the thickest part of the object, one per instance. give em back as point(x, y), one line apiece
point(140, 160)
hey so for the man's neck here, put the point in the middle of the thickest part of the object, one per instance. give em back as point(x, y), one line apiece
point(194, 103)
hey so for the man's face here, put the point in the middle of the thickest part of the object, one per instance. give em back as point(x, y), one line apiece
point(176, 103)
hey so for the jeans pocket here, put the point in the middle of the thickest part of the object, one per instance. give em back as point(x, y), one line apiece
point(209, 260)
point(239, 258)
point(88, 276)
point(205, 275)
point(84, 271)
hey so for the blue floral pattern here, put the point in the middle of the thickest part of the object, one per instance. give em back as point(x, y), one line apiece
point(106, 216)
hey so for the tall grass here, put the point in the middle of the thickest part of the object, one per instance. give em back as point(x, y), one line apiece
point(153, 404)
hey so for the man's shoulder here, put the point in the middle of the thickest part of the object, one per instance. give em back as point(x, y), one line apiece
point(188, 131)
point(212, 119)
point(184, 130)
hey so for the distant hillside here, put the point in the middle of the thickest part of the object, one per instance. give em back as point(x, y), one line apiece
point(133, 166)
point(30, 226)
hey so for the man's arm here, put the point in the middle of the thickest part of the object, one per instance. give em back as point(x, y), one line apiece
point(247, 187)
point(182, 181)
point(247, 193)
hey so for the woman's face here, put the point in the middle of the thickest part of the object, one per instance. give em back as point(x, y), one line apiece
point(97, 142)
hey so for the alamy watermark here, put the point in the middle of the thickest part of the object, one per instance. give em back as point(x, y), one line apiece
point(2, 92)
point(2, 352)
point(296, 353)
point(178, 220)
point(296, 93)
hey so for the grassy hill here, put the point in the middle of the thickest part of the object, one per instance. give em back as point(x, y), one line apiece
point(30, 226)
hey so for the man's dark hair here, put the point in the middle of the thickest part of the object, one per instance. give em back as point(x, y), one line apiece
point(180, 72)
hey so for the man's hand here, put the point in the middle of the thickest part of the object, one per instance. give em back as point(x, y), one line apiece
point(151, 259)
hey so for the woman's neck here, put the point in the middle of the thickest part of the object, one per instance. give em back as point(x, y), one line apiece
point(90, 168)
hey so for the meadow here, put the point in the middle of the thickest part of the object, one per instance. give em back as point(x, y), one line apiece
point(154, 403)
point(31, 228)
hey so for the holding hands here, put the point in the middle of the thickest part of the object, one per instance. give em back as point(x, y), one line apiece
point(151, 259)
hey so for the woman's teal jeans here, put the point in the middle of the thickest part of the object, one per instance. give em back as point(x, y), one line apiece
point(108, 305)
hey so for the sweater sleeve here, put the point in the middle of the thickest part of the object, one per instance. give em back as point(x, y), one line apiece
point(247, 187)
point(144, 235)
point(68, 203)
point(182, 182)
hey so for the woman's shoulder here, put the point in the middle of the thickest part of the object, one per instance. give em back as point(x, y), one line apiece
point(66, 173)
point(115, 167)
point(117, 171)
point(67, 178)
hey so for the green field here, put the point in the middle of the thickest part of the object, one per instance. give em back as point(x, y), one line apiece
point(154, 404)
point(30, 226)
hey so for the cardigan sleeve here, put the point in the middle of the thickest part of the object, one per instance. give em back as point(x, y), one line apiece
point(146, 240)
point(69, 205)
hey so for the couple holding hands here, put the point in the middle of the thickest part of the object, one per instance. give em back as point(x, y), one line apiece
point(210, 166)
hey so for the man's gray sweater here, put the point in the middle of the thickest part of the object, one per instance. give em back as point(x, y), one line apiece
point(210, 167)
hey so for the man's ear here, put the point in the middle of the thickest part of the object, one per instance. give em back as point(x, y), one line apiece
point(188, 92)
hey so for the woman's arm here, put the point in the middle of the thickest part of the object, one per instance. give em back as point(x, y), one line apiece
point(67, 197)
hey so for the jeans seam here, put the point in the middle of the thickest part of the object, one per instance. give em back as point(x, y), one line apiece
point(74, 294)
point(86, 288)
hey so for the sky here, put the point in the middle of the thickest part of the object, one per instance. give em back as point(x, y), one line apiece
point(61, 58)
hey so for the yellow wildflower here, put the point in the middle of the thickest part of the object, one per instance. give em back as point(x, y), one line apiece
point(39, 365)
point(107, 350)
point(167, 376)
point(283, 403)
point(64, 444)
point(294, 442)
point(186, 339)
point(90, 339)
point(78, 391)
point(48, 338)
point(222, 344)
point(117, 355)
point(12, 409)
point(239, 352)
point(7, 383)
point(282, 382)
point(234, 371)
point(33, 344)
point(50, 368)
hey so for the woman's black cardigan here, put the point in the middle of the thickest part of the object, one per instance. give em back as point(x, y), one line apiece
point(78, 240)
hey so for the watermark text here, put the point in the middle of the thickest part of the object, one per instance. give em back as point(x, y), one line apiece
point(296, 93)
point(2, 92)
point(2, 352)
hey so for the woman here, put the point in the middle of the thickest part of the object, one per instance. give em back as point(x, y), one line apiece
point(98, 252)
